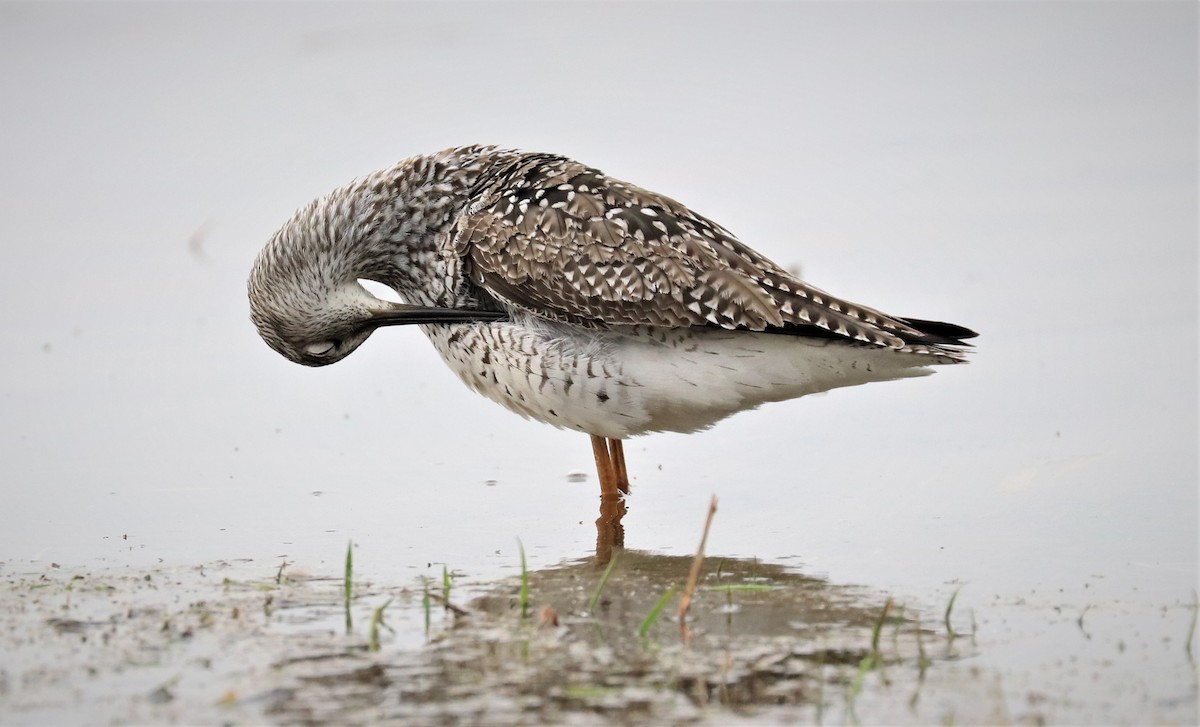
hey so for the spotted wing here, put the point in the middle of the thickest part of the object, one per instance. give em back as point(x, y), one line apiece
point(563, 241)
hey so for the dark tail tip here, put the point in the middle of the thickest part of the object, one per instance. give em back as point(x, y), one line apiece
point(941, 333)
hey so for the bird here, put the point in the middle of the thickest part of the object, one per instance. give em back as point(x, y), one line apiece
point(572, 298)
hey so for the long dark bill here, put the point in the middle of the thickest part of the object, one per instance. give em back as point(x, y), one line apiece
point(407, 315)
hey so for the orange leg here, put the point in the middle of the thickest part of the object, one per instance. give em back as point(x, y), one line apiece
point(604, 467)
point(617, 454)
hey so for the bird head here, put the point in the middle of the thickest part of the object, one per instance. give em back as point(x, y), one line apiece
point(309, 320)
point(316, 328)
point(305, 298)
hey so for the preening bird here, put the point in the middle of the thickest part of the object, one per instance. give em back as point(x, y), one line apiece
point(571, 298)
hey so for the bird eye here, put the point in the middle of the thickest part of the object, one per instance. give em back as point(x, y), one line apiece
point(320, 348)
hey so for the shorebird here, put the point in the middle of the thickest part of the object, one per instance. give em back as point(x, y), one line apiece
point(572, 298)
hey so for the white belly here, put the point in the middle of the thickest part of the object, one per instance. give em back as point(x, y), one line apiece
point(624, 383)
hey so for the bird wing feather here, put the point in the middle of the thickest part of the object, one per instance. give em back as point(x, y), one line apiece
point(563, 241)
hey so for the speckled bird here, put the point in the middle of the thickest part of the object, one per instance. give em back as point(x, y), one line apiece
point(571, 298)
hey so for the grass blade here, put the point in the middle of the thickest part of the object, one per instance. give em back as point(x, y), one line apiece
point(376, 622)
point(887, 608)
point(425, 604)
point(523, 597)
point(349, 580)
point(654, 612)
point(950, 607)
point(1192, 629)
point(600, 586)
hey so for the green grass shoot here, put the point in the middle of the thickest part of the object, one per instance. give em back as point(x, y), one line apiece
point(349, 581)
point(820, 698)
point(589, 691)
point(899, 620)
point(426, 605)
point(376, 622)
point(1192, 629)
point(887, 608)
point(871, 661)
point(950, 607)
point(523, 596)
point(856, 684)
point(445, 585)
point(591, 607)
point(742, 587)
point(923, 664)
point(655, 611)
point(923, 661)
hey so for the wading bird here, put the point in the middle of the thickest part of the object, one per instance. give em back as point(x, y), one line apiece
point(571, 298)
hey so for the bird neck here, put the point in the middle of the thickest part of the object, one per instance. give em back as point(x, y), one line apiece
point(409, 210)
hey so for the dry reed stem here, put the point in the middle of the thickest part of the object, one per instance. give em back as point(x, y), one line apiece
point(694, 575)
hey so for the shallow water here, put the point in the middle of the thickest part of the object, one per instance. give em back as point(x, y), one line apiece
point(1026, 170)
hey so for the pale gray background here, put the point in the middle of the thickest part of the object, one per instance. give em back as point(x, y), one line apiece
point(1028, 170)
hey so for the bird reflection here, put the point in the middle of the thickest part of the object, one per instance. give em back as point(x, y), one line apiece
point(614, 486)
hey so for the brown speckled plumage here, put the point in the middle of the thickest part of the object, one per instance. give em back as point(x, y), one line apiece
point(561, 240)
point(571, 297)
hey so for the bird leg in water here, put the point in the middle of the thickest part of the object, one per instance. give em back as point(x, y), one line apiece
point(617, 454)
point(614, 484)
point(610, 457)
point(604, 467)
point(610, 466)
